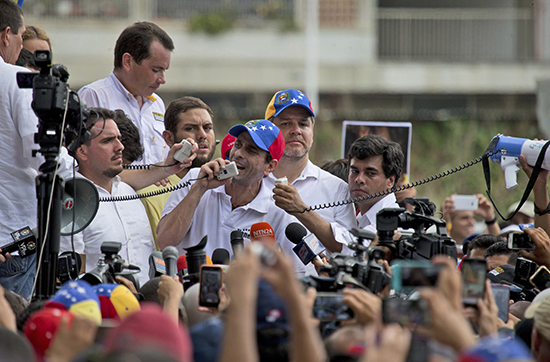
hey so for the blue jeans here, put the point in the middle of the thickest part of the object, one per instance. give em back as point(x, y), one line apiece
point(17, 274)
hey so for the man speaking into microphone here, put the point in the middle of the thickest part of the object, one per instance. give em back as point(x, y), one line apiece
point(217, 208)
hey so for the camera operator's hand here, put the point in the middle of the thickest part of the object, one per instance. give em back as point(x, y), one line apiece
point(392, 344)
point(70, 341)
point(447, 326)
point(449, 281)
point(487, 316)
point(541, 254)
point(366, 306)
point(128, 284)
point(317, 264)
point(170, 292)
point(7, 317)
point(224, 303)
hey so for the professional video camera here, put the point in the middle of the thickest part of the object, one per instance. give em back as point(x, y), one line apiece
point(353, 271)
point(419, 245)
point(110, 266)
point(195, 257)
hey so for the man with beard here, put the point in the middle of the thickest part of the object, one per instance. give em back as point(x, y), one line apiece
point(186, 117)
point(308, 185)
point(100, 161)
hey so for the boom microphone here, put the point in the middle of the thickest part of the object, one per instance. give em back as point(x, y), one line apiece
point(157, 267)
point(262, 232)
point(237, 242)
point(220, 256)
point(170, 256)
point(307, 248)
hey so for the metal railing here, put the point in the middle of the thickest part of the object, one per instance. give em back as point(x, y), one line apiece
point(456, 35)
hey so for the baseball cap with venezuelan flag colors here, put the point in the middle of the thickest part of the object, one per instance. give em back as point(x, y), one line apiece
point(287, 98)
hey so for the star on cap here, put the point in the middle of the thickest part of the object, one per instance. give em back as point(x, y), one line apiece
point(300, 96)
point(294, 100)
point(263, 128)
point(270, 128)
point(254, 128)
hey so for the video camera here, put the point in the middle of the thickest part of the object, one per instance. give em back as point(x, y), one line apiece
point(353, 271)
point(419, 245)
point(52, 100)
point(110, 266)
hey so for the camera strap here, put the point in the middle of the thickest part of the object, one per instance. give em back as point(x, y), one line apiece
point(530, 184)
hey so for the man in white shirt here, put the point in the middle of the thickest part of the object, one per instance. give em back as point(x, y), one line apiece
point(308, 185)
point(100, 161)
point(216, 208)
point(142, 55)
point(375, 165)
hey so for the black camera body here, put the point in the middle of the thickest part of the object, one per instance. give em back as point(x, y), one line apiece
point(110, 266)
point(419, 245)
point(353, 271)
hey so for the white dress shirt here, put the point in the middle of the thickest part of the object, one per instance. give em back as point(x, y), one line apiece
point(111, 94)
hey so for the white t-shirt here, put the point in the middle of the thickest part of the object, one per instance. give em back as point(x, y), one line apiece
point(124, 222)
point(214, 217)
point(110, 93)
point(318, 187)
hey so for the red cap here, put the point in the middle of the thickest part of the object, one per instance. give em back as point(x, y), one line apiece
point(41, 327)
point(227, 144)
point(182, 262)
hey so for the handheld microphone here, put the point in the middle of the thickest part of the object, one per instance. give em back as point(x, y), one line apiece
point(157, 267)
point(182, 265)
point(24, 241)
point(307, 247)
point(237, 242)
point(170, 256)
point(262, 232)
point(220, 256)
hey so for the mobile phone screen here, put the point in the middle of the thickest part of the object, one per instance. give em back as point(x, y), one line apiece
point(473, 276)
point(501, 294)
point(406, 312)
point(210, 284)
point(329, 307)
point(541, 278)
point(518, 241)
point(410, 274)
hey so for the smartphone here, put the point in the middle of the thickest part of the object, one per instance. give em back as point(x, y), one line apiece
point(406, 312)
point(410, 274)
point(501, 294)
point(465, 202)
point(541, 278)
point(473, 276)
point(519, 241)
point(210, 279)
point(329, 307)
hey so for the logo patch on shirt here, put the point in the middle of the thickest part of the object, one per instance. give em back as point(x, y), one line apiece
point(158, 116)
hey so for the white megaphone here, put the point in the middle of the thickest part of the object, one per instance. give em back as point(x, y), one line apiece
point(509, 149)
point(80, 204)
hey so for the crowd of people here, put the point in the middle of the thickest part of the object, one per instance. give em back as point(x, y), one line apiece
point(351, 300)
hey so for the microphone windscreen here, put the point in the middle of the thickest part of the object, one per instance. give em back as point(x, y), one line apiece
point(182, 263)
point(295, 232)
point(220, 256)
point(170, 252)
point(262, 231)
point(236, 237)
point(170, 256)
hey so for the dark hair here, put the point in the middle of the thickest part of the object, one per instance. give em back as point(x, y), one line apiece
point(95, 115)
point(22, 318)
point(182, 105)
point(26, 59)
point(34, 32)
point(483, 241)
point(133, 150)
point(11, 16)
point(500, 248)
point(339, 168)
point(137, 39)
point(374, 145)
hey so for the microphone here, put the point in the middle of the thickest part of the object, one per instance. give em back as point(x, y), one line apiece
point(220, 256)
point(182, 264)
point(170, 256)
point(237, 242)
point(262, 232)
point(24, 241)
point(157, 267)
point(307, 247)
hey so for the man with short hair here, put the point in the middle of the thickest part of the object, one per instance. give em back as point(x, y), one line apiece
point(142, 55)
point(308, 185)
point(479, 245)
point(216, 208)
point(100, 161)
point(375, 165)
point(18, 168)
point(498, 254)
point(186, 117)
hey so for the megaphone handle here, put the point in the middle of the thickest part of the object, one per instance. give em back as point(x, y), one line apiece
point(510, 166)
